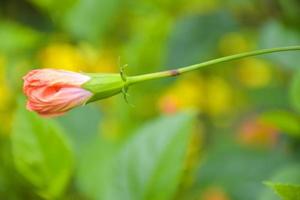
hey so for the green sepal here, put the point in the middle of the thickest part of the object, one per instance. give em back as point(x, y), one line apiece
point(103, 85)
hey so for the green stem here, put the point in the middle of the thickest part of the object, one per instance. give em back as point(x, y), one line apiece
point(169, 73)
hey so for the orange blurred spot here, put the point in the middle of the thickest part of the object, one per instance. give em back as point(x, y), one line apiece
point(256, 132)
point(215, 193)
point(169, 104)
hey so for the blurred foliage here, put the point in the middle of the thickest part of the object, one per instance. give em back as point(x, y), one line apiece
point(285, 183)
point(216, 134)
point(286, 191)
point(45, 167)
point(142, 167)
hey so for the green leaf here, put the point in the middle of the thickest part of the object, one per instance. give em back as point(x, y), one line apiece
point(88, 19)
point(290, 11)
point(148, 49)
point(288, 175)
point(54, 8)
point(190, 42)
point(294, 91)
point(285, 191)
point(17, 38)
point(274, 34)
point(81, 130)
point(95, 166)
point(147, 167)
point(243, 168)
point(41, 153)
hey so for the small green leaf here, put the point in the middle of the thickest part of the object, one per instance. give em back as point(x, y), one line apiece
point(288, 175)
point(147, 167)
point(41, 153)
point(285, 191)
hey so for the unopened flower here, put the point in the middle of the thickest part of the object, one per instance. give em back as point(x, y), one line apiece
point(53, 92)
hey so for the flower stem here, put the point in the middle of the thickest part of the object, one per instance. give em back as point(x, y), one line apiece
point(175, 72)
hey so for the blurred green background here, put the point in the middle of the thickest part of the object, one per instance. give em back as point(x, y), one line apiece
point(226, 132)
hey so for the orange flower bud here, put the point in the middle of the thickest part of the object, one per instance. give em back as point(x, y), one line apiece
point(54, 92)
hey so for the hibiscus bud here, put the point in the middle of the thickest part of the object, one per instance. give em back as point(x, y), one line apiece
point(54, 92)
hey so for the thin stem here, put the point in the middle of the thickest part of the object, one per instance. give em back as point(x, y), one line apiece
point(176, 72)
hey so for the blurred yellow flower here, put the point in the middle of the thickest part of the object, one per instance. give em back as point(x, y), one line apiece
point(218, 99)
point(185, 93)
point(78, 58)
point(107, 61)
point(254, 73)
point(5, 98)
point(233, 43)
point(213, 95)
point(4, 91)
point(62, 56)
